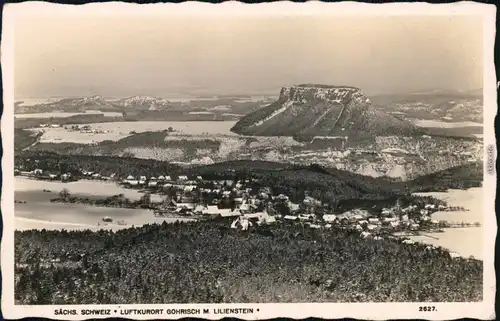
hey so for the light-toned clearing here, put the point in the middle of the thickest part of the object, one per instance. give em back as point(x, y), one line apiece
point(201, 113)
point(119, 130)
point(36, 101)
point(465, 241)
point(235, 115)
point(80, 217)
point(82, 187)
point(38, 212)
point(65, 115)
point(443, 124)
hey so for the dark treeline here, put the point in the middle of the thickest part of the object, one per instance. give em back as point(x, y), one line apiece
point(105, 165)
point(325, 184)
point(459, 177)
point(206, 262)
point(113, 201)
point(24, 139)
point(73, 119)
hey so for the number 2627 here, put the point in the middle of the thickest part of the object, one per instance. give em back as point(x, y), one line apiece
point(427, 308)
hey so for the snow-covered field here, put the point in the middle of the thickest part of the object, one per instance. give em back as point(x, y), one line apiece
point(118, 130)
point(81, 187)
point(465, 241)
point(443, 124)
point(39, 213)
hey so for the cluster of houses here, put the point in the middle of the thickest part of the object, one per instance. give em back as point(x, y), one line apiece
point(389, 220)
point(50, 126)
point(86, 129)
point(41, 174)
point(246, 200)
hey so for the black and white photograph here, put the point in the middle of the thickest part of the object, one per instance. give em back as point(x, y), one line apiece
point(160, 161)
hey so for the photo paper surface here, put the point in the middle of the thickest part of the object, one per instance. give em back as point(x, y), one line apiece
point(330, 160)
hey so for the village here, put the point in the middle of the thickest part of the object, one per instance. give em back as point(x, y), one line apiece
point(246, 203)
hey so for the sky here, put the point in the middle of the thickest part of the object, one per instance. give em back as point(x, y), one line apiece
point(117, 56)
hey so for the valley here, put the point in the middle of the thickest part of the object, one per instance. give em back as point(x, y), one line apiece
point(333, 126)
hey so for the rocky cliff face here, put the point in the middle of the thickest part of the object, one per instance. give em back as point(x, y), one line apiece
point(306, 111)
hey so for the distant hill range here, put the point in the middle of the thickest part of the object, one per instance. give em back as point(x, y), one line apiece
point(310, 110)
point(100, 103)
point(446, 105)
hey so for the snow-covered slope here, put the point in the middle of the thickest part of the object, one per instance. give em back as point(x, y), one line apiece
point(143, 102)
point(305, 111)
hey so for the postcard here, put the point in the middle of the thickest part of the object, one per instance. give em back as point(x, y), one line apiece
point(194, 160)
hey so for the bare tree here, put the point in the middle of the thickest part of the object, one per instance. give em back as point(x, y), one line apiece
point(64, 194)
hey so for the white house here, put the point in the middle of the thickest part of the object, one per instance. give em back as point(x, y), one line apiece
point(256, 215)
point(229, 213)
point(133, 182)
point(365, 234)
point(386, 211)
point(357, 217)
point(305, 217)
point(244, 207)
point(329, 217)
point(210, 210)
point(198, 209)
point(414, 227)
point(187, 206)
point(394, 224)
point(282, 197)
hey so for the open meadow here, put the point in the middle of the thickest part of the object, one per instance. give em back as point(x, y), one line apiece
point(465, 241)
point(38, 212)
point(117, 130)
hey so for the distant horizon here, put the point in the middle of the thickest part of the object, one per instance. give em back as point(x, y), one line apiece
point(252, 94)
